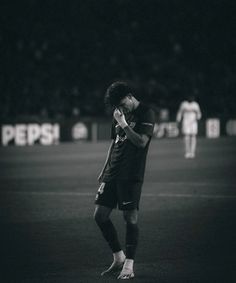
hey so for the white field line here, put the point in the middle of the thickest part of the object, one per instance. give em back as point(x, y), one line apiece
point(162, 195)
point(191, 184)
point(205, 196)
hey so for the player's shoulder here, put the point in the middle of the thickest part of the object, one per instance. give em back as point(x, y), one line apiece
point(195, 103)
point(146, 113)
point(184, 104)
point(145, 109)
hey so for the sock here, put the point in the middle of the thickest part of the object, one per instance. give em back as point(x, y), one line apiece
point(193, 144)
point(187, 144)
point(129, 264)
point(119, 256)
point(132, 233)
point(110, 234)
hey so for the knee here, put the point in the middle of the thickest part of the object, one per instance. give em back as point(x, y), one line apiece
point(99, 217)
point(131, 218)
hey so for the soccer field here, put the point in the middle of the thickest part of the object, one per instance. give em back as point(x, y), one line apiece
point(187, 214)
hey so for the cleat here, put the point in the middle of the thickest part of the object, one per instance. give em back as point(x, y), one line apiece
point(126, 274)
point(114, 268)
point(189, 155)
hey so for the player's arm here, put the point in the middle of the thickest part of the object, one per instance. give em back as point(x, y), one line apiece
point(199, 113)
point(138, 139)
point(179, 113)
point(106, 161)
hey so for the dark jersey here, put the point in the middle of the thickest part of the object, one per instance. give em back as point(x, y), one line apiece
point(127, 161)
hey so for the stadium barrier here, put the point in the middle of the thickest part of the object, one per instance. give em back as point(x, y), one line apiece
point(50, 133)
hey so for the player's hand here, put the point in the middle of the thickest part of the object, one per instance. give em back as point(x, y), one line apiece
point(120, 118)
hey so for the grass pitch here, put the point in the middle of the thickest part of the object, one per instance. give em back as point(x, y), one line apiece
point(187, 214)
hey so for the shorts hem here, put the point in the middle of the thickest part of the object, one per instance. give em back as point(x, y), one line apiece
point(106, 205)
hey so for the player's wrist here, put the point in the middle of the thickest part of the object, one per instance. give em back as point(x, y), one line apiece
point(123, 124)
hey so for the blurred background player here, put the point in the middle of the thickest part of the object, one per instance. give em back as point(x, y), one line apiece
point(189, 114)
point(122, 176)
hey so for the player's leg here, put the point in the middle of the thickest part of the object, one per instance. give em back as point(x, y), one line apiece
point(186, 137)
point(102, 218)
point(129, 196)
point(105, 201)
point(187, 146)
point(193, 145)
point(132, 233)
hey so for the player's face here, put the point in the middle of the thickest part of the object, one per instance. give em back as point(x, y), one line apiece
point(126, 104)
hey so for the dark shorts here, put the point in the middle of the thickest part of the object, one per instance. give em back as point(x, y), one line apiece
point(125, 194)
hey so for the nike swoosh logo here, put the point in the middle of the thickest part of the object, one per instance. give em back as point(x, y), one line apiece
point(126, 202)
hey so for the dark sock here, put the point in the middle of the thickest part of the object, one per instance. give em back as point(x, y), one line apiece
point(110, 234)
point(132, 233)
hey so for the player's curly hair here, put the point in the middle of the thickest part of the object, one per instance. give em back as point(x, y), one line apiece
point(116, 92)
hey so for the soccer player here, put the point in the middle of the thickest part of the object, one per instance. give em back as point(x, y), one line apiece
point(189, 113)
point(122, 176)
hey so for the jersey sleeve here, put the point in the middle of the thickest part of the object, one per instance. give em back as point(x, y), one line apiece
point(147, 123)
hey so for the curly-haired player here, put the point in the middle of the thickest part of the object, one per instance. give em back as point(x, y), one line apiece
point(122, 176)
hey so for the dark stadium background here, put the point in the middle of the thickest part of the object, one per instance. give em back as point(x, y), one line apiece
point(57, 55)
point(56, 60)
